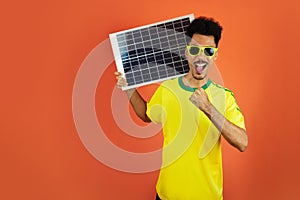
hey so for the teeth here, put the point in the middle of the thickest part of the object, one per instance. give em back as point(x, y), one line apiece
point(200, 64)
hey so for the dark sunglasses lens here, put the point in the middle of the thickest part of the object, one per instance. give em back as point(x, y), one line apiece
point(194, 50)
point(209, 51)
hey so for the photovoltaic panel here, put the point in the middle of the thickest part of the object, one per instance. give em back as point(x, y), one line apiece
point(152, 53)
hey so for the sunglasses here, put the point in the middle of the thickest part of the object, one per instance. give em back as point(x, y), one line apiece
point(208, 51)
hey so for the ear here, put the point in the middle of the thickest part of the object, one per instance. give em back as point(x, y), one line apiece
point(186, 53)
point(216, 56)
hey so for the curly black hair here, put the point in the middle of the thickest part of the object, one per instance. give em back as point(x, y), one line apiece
point(205, 26)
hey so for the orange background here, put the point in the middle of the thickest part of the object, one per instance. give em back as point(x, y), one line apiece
point(43, 44)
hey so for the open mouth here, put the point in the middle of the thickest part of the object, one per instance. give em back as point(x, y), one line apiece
point(200, 66)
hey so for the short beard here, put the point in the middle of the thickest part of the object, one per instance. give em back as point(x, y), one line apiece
point(198, 78)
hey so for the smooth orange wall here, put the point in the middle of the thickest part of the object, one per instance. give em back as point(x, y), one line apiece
point(43, 44)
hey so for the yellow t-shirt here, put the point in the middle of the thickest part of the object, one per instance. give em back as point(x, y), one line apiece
point(192, 157)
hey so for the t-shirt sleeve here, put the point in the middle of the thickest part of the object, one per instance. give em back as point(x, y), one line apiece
point(233, 112)
point(154, 106)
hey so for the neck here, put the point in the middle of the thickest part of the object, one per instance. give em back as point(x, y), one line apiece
point(190, 81)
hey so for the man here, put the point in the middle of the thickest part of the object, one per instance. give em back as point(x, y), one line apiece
point(194, 112)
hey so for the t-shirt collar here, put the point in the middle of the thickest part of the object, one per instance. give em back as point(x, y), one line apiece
point(187, 88)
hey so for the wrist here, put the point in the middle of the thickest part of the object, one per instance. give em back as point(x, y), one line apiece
point(208, 109)
point(130, 92)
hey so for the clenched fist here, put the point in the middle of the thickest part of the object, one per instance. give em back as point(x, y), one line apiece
point(200, 99)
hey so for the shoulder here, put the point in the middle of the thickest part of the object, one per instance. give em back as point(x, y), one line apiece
point(172, 81)
point(170, 84)
point(221, 88)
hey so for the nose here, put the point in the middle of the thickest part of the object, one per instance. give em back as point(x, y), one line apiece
point(201, 54)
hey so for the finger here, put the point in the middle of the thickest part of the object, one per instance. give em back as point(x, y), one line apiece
point(193, 97)
point(193, 100)
point(118, 73)
point(119, 78)
point(196, 94)
point(199, 90)
point(120, 85)
point(122, 82)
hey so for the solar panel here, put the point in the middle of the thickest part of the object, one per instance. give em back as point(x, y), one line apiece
point(152, 53)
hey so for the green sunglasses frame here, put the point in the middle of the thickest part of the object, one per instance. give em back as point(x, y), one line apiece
point(201, 49)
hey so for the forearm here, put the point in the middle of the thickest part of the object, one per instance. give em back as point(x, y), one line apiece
point(138, 103)
point(235, 135)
